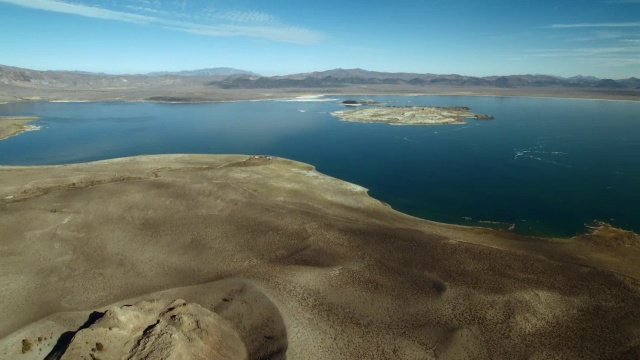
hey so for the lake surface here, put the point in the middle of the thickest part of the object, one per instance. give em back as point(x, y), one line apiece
point(549, 166)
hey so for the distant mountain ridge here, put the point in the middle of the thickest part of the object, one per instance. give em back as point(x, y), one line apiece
point(344, 77)
point(27, 78)
point(217, 71)
point(18, 84)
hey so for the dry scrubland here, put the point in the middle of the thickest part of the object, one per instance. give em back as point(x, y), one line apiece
point(278, 260)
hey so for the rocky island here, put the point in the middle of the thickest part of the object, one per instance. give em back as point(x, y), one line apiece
point(14, 125)
point(359, 102)
point(410, 115)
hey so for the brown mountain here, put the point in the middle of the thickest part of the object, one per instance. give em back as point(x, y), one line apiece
point(18, 84)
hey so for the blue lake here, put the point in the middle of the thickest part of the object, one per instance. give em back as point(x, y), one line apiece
point(549, 166)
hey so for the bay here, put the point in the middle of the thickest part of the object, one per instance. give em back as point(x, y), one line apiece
point(545, 166)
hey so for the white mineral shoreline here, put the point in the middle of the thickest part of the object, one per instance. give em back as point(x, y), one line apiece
point(279, 97)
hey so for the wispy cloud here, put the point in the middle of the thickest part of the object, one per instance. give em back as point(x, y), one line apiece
point(74, 9)
point(146, 10)
point(587, 51)
point(595, 25)
point(622, 2)
point(213, 23)
point(277, 33)
point(623, 55)
point(605, 35)
point(245, 17)
point(608, 34)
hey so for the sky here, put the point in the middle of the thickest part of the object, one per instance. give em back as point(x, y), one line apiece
point(276, 37)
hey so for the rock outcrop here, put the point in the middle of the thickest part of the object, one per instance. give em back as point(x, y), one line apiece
point(158, 329)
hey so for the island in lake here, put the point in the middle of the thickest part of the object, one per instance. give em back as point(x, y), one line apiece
point(411, 115)
point(359, 102)
point(14, 125)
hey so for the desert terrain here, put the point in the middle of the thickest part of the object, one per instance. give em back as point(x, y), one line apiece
point(280, 261)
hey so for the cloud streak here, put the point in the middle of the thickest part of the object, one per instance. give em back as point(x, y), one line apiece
point(595, 25)
point(589, 51)
point(245, 24)
point(623, 2)
point(81, 10)
point(601, 56)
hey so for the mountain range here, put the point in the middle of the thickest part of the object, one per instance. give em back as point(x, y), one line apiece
point(235, 78)
point(26, 77)
point(218, 71)
point(344, 77)
point(217, 84)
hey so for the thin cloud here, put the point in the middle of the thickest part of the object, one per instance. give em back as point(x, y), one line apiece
point(284, 34)
point(608, 34)
point(598, 36)
point(594, 25)
point(145, 9)
point(625, 56)
point(623, 2)
point(588, 51)
point(248, 24)
point(246, 17)
point(81, 10)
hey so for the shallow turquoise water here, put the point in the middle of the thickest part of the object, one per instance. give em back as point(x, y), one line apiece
point(546, 165)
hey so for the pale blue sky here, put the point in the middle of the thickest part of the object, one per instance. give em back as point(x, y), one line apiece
point(479, 38)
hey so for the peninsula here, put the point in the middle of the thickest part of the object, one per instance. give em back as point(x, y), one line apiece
point(14, 125)
point(266, 258)
point(410, 115)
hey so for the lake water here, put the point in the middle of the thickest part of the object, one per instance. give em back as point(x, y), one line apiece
point(549, 166)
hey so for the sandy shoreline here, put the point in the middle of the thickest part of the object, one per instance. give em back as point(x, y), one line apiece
point(216, 95)
point(298, 262)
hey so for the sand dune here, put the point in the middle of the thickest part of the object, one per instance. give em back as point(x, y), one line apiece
point(298, 264)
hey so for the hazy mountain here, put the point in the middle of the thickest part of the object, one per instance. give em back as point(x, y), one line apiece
point(85, 80)
point(351, 73)
point(346, 77)
point(201, 85)
point(218, 71)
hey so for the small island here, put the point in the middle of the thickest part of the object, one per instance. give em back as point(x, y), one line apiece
point(14, 125)
point(411, 115)
point(359, 102)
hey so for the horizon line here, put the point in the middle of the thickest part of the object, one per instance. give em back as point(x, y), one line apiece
point(174, 72)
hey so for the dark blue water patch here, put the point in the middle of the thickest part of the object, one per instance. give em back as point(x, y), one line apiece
point(545, 166)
